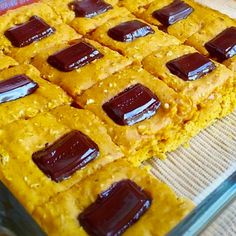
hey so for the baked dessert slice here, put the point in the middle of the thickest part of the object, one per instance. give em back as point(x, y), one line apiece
point(209, 85)
point(132, 37)
point(142, 114)
point(78, 65)
point(23, 94)
point(119, 198)
point(56, 150)
point(28, 30)
point(6, 61)
point(86, 15)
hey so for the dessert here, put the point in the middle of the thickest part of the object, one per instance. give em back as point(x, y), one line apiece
point(28, 30)
point(56, 149)
point(6, 61)
point(23, 94)
point(70, 64)
point(142, 114)
point(132, 37)
point(209, 85)
point(85, 208)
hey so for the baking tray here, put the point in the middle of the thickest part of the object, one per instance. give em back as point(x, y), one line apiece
point(205, 172)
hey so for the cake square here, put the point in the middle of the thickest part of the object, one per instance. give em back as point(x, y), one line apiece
point(76, 211)
point(28, 30)
point(80, 77)
point(56, 149)
point(24, 94)
point(132, 37)
point(6, 61)
point(86, 15)
point(142, 114)
point(209, 85)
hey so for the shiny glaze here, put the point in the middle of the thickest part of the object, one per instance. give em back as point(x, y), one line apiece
point(74, 57)
point(191, 66)
point(115, 210)
point(12, 4)
point(176, 11)
point(133, 105)
point(16, 87)
point(223, 46)
point(90, 8)
point(130, 30)
point(31, 31)
point(68, 154)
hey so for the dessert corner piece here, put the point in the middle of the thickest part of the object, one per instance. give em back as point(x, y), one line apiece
point(65, 63)
point(132, 37)
point(27, 94)
point(142, 113)
point(119, 199)
point(57, 149)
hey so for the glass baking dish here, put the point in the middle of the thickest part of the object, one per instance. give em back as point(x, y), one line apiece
point(205, 172)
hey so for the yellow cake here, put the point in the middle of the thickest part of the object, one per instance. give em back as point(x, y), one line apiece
point(18, 166)
point(60, 215)
point(46, 97)
point(78, 80)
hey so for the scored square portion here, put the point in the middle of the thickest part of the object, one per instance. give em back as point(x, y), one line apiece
point(86, 15)
point(141, 113)
point(131, 37)
point(119, 198)
point(30, 29)
point(78, 65)
point(56, 149)
point(208, 84)
point(24, 94)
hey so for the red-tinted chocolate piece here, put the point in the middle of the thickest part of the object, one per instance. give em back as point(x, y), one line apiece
point(6, 5)
point(134, 104)
point(115, 210)
point(191, 66)
point(223, 46)
point(68, 154)
point(90, 8)
point(176, 11)
point(76, 105)
point(130, 30)
point(74, 57)
point(32, 31)
point(16, 87)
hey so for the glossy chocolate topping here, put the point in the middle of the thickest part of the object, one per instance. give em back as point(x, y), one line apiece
point(133, 105)
point(191, 66)
point(6, 5)
point(223, 46)
point(16, 87)
point(74, 57)
point(115, 210)
point(68, 154)
point(90, 8)
point(32, 31)
point(130, 30)
point(176, 11)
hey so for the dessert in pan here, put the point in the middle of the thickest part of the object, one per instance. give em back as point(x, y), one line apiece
point(89, 89)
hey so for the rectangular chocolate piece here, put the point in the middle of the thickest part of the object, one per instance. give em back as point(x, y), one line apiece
point(31, 31)
point(130, 30)
point(176, 11)
point(68, 154)
point(223, 46)
point(90, 8)
point(133, 105)
point(116, 209)
point(191, 66)
point(6, 5)
point(16, 87)
point(74, 57)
